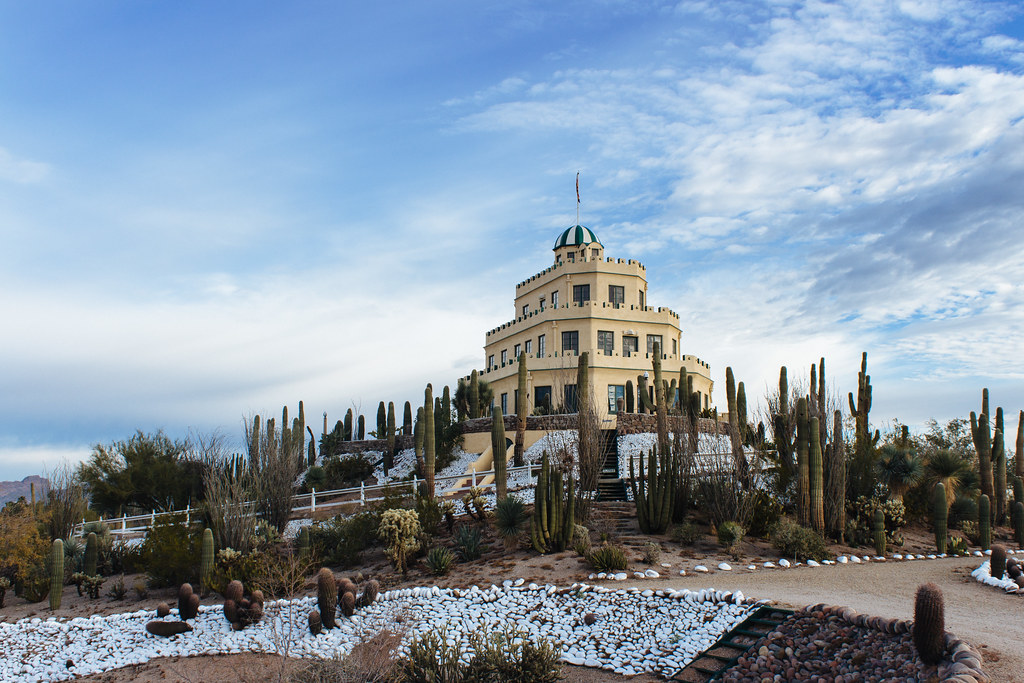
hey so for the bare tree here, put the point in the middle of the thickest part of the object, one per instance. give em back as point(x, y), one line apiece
point(66, 501)
point(230, 485)
point(276, 468)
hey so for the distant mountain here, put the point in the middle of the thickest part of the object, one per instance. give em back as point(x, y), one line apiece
point(12, 490)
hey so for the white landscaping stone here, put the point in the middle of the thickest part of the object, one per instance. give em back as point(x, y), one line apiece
point(701, 569)
point(724, 566)
point(784, 563)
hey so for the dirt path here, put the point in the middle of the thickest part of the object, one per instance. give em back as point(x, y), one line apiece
point(986, 617)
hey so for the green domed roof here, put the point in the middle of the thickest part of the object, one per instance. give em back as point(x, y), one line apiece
point(575, 236)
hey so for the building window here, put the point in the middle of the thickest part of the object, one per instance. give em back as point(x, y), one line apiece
point(554, 299)
point(570, 342)
point(526, 309)
point(594, 254)
point(529, 347)
point(504, 404)
point(517, 350)
point(580, 293)
point(542, 398)
point(571, 404)
point(542, 300)
point(675, 348)
point(490, 361)
point(542, 346)
point(504, 357)
point(572, 257)
point(641, 298)
point(616, 295)
point(630, 345)
point(606, 341)
point(616, 392)
point(651, 339)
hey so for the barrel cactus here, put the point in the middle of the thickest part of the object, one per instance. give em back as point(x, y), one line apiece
point(929, 624)
point(997, 563)
point(91, 553)
point(326, 596)
point(206, 561)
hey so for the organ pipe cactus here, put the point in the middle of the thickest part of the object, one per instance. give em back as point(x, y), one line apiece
point(878, 531)
point(929, 624)
point(654, 490)
point(206, 561)
point(554, 504)
point(985, 521)
point(428, 439)
point(521, 408)
point(499, 453)
point(91, 554)
point(939, 516)
point(815, 475)
point(417, 441)
point(999, 464)
point(56, 573)
point(254, 441)
point(660, 405)
point(836, 492)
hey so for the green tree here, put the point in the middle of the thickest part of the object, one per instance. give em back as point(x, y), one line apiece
point(146, 472)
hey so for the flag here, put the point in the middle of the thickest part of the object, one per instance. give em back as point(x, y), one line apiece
point(577, 187)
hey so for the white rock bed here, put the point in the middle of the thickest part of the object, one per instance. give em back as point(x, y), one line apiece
point(636, 631)
point(983, 574)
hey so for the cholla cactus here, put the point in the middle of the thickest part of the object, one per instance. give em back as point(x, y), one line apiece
point(474, 503)
point(400, 530)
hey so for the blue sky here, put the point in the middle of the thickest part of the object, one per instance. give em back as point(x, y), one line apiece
point(213, 209)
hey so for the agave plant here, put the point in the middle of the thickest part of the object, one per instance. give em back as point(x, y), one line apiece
point(899, 469)
point(949, 469)
point(440, 560)
point(510, 521)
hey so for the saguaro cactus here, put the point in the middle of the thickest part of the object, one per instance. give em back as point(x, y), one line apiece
point(382, 420)
point(630, 399)
point(939, 516)
point(835, 489)
point(407, 420)
point(985, 521)
point(521, 411)
point(389, 454)
point(417, 441)
point(474, 395)
point(878, 531)
point(499, 453)
point(815, 475)
point(803, 447)
point(929, 624)
point(1018, 523)
point(783, 427)
point(864, 441)
point(206, 561)
point(56, 573)
point(428, 439)
point(981, 432)
point(999, 464)
point(91, 554)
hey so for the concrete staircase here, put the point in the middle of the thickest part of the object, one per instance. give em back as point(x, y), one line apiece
point(610, 485)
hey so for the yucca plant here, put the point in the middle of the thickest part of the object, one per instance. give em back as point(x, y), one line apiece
point(608, 558)
point(467, 539)
point(510, 520)
point(440, 560)
point(899, 469)
point(949, 469)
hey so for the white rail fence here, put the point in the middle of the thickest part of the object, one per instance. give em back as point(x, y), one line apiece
point(305, 504)
point(322, 500)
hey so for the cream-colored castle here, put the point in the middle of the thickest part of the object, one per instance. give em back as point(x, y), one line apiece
point(585, 302)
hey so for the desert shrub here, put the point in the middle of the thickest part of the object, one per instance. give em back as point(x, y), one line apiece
point(280, 572)
point(432, 660)
point(581, 540)
point(117, 556)
point(316, 478)
point(170, 553)
point(509, 656)
point(686, 533)
point(767, 510)
point(729, 534)
point(400, 531)
point(266, 535)
point(342, 472)
point(862, 519)
point(467, 541)
point(955, 545)
point(373, 659)
point(972, 532)
point(231, 565)
point(608, 558)
point(24, 549)
point(118, 590)
point(963, 509)
point(798, 542)
point(510, 520)
point(340, 540)
point(440, 560)
point(429, 511)
point(652, 553)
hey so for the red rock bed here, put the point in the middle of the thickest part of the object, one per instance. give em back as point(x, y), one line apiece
point(823, 643)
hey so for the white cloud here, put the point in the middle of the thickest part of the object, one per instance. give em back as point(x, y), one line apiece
point(21, 171)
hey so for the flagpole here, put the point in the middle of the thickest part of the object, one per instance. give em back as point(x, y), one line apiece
point(577, 197)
